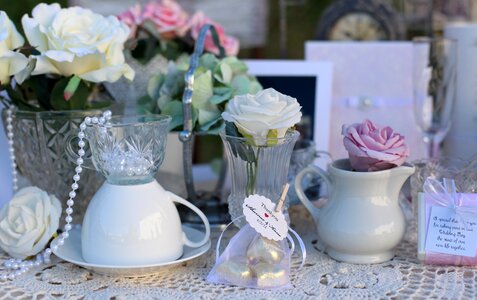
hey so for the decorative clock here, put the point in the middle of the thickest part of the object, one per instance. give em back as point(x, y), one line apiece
point(360, 20)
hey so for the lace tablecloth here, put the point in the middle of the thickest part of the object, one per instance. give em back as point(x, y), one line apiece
point(321, 277)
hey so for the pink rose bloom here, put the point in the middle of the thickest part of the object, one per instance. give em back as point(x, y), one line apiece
point(132, 17)
point(372, 148)
point(230, 44)
point(168, 17)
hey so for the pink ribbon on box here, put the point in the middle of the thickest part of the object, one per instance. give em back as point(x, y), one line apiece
point(445, 194)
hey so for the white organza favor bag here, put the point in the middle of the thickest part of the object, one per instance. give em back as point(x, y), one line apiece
point(259, 255)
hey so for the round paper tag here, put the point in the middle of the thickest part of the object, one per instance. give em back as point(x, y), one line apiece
point(259, 211)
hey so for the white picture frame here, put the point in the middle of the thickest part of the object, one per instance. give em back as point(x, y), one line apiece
point(323, 71)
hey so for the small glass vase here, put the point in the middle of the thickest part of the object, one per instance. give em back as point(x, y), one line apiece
point(256, 169)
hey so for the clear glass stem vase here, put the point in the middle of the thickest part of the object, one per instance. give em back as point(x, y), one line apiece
point(257, 169)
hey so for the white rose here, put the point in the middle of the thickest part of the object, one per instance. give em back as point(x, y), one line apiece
point(76, 41)
point(11, 62)
point(28, 222)
point(255, 115)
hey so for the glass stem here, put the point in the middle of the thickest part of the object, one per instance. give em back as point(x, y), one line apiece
point(433, 147)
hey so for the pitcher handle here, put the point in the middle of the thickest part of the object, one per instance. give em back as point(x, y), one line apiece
point(73, 156)
point(188, 242)
point(314, 211)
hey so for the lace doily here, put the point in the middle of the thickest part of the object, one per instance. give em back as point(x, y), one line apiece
point(321, 277)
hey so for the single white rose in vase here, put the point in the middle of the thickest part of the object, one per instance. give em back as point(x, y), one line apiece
point(256, 122)
point(11, 62)
point(76, 41)
point(28, 222)
point(267, 114)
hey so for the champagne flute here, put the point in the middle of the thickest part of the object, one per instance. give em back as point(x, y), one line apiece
point(434, 82)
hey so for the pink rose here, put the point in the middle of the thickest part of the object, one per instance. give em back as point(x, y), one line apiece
point(168, 17)
point(230, 44)
point(133, 18)
point(372, 148)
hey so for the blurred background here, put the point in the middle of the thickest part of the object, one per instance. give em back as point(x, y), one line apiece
point(279, 28)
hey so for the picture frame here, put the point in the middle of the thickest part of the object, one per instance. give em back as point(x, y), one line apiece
point(286, 76)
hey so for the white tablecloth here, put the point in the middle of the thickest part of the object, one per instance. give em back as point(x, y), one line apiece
point(321, 277)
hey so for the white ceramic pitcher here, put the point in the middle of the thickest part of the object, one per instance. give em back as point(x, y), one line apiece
point(362, 221)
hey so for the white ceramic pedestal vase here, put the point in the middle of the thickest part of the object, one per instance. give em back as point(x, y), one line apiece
point(362, 221)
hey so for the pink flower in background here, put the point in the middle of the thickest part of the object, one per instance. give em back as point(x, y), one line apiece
point(372, 148)
point(133, 18)
point(168, 17)
point(230, 44)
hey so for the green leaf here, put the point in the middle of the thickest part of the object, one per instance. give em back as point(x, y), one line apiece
point(174, 109)
point(223, 73)
point(174, 83)
point(208, 118)
point(154, 85)
point(145, 105)
point(182, 63)
point(208, 115)
point(217, 127)
point(237, 66)
point(220, 90)
point(231, 129)
point(77, 101)
point(217, 99)
point(241, 84)
point(163, 100)
point(208, 61)
point(203, 90)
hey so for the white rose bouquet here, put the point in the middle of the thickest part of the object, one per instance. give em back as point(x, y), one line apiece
point(69, 53)
point(262, 120)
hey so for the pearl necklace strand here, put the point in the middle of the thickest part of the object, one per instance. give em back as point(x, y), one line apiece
point(17, 266)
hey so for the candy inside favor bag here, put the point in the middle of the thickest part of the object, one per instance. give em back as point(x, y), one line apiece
point(259, 255)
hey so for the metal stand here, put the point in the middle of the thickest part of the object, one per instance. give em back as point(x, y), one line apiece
point(209, 203)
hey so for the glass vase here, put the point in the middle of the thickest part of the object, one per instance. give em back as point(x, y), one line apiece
point(257, 169)
point(40, 142)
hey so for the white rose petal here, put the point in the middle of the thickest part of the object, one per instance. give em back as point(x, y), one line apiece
point(256, 115)
point(11, 62)
point(28, 222)
point(76, 41)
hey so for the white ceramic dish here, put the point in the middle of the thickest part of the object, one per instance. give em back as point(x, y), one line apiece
point(71, 252)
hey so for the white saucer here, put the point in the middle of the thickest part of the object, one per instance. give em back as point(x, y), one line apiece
point(71, 252)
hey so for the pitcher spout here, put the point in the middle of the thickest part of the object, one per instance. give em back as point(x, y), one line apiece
point(404, 170)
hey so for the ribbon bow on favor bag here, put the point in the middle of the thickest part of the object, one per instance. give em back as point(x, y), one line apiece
point(445, 194)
